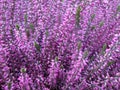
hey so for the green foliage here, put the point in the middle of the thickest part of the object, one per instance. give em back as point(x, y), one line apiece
point(23, 70)
point(17, 27)
point(101, 23)
point(37, 46)
point(61, 66)
point(118, 8)
point(93, 27)
point(9, 85)
point(46, 33)
point(79, 45)
point(56, 59)
point(25, 17)
point(110, 63)
point(92, 17)
point(78, 15)
point(85, 54)
point(32, 28)
point(103, 49)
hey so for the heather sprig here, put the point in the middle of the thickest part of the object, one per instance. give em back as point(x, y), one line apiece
point(59, 44)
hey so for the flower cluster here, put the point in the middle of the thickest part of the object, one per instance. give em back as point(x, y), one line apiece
point(59, 44)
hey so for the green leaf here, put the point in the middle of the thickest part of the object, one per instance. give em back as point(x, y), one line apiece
point(78, 15)
point(92, 58)
point(56, 59)
point(46, 33)
point(110, 63)
point(9, 85)
point(79, 45)
point(17, 27)
point(23, 70)
point(92, 17)
point(61, 66)
point(93, 27)
point(37, 46)
point(101, 23)
point(32, 27)
point(85, 54)
point(25, 17)
point(118, 8)
point(104, 48)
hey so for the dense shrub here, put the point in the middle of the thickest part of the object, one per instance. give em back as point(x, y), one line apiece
point(59, 44)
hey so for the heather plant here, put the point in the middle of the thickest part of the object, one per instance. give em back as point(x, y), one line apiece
point(59, 44)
